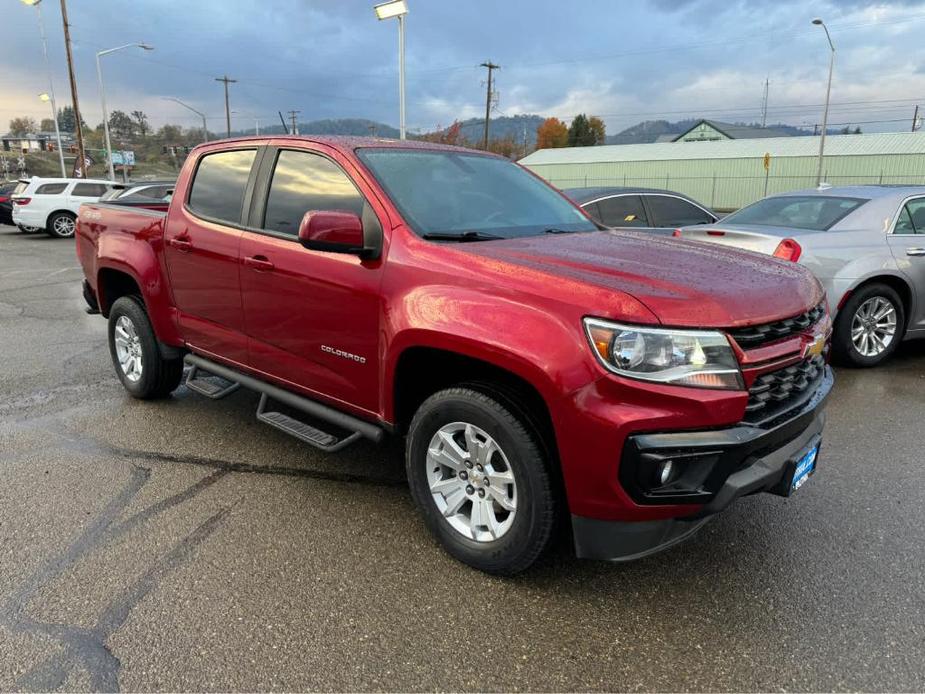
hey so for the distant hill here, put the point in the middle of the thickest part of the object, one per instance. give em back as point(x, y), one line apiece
point(333, 126)
point(473, 129)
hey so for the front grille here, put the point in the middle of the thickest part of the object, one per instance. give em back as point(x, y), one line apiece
point(776, 393)
point(757, 335)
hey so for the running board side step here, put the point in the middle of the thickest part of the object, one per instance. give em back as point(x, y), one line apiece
point(302, 431)
point(207, 387)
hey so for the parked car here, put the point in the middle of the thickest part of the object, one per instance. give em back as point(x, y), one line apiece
point(653, 210)
point(449, 296)
point(52, 203)
point(6, 205)
point(866, 244)
point(157, 190)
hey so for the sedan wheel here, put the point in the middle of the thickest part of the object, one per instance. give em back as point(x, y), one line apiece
point(873, 327)
point(869, 327)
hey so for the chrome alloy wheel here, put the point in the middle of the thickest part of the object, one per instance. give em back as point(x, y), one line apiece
point(128, 349)
point(471, 482)
point(64, 226)
point(873, 326)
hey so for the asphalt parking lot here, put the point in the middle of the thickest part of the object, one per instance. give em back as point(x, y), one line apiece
point(181, 545)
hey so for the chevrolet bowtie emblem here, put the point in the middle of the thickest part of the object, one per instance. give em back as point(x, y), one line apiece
point(811, 349)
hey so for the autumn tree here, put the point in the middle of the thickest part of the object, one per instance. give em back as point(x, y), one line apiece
point(505, 146)
point(598, 129)
point(22, 126)
point(551, 133)
point(447, 136)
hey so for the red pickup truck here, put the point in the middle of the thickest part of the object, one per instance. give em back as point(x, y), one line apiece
point(545, 372)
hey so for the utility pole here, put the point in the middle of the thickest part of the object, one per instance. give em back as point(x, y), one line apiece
point(915, 119)
point(295, 127)
point(764, 103)
point(226, 80)
point(491, 66)
point(80, 166)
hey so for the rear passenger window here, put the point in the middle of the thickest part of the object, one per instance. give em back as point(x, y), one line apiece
point(88, 190)
point(622, 211)
point(51, 189)
point(675, 212)
point(303, 181)
point(219, 185)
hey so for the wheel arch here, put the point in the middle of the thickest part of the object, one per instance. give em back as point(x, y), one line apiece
point(899, 284)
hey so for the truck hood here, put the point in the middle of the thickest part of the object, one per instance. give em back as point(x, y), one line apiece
point(684, 283)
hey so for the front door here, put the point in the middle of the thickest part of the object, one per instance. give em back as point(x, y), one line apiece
point(907, 243)
point(201, 250)
point(312, 317)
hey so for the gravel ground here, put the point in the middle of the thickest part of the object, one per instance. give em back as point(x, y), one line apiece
point(180, 545)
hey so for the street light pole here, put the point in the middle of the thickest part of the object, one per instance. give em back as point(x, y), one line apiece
point(205, 131)
point(51, 85)
point(99, 74)
point(828, 92)
point(388, 10)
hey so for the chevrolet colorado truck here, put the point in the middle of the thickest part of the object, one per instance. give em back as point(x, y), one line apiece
point(544, 372)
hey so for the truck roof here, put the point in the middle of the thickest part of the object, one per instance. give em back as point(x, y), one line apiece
point(351, 142)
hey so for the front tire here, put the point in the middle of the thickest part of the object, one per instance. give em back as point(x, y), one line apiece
point(61, 225)
point(869, 327)
point(27, 229)
point(136, 356)
point(481, 480)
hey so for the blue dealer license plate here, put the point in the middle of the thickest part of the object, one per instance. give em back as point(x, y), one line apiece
point(804, 468)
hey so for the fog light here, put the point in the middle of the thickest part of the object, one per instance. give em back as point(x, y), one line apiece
point(664, 471)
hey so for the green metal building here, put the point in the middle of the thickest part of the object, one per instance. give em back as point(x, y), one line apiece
point(728, 174)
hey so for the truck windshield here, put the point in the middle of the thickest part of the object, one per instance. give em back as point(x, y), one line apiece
point(461, 196)
point(812, 212)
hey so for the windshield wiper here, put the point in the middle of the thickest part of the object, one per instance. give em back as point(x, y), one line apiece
point(553, 230)
point(460, 236)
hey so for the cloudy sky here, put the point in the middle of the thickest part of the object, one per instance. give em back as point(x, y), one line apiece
point(625, 60)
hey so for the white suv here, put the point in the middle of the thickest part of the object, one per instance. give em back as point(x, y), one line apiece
point(52, 203)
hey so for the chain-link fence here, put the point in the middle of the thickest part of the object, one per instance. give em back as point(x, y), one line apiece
point(727, 193)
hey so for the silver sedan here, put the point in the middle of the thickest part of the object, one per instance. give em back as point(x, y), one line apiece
point(866, 244)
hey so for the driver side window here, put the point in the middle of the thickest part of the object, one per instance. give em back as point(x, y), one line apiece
point(304, 181)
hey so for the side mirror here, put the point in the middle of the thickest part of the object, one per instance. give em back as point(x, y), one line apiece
point(334, 231)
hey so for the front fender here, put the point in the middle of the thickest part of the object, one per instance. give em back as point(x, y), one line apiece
point(548, 350)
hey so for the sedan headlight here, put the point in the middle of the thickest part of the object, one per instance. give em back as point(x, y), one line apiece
point(698, 358)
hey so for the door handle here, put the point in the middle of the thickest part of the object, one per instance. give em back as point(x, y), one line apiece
point(259, 263)
point(915, 251)
point(181, 243)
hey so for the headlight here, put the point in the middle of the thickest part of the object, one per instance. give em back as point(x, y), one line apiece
point(698, 358)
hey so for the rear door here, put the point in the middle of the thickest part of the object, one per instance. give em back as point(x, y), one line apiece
point(312, 317)
point(907, 243)
point(669, 211)
point(201, 237)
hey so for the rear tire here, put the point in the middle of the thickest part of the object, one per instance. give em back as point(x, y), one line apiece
point(136, 356)
point(869, 327)
point(61, 225)
point(481, 480)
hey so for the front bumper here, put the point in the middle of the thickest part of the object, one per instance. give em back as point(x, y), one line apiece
point(742, 460)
